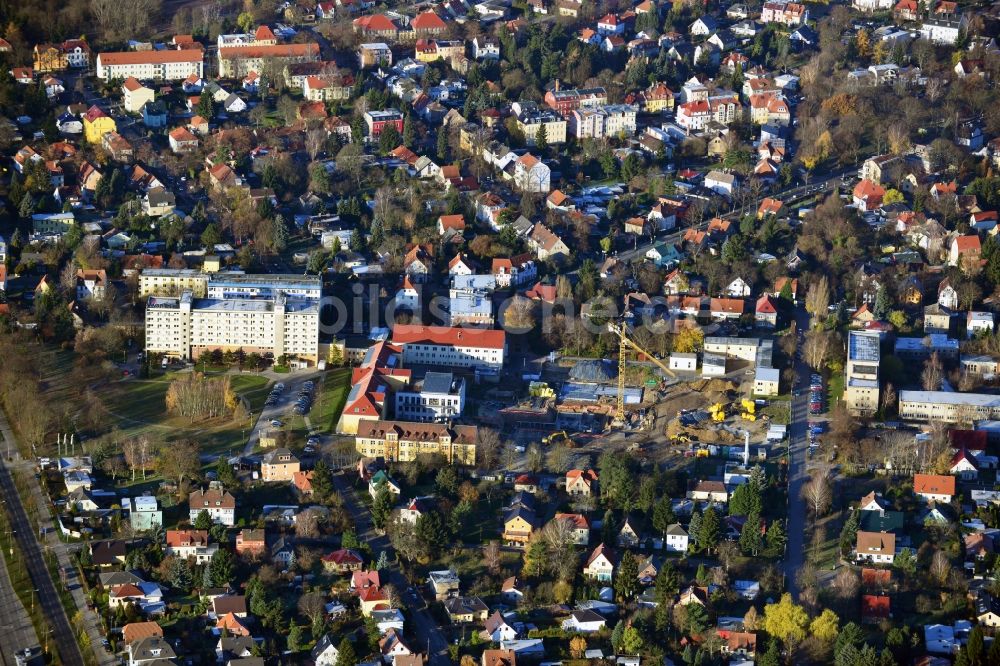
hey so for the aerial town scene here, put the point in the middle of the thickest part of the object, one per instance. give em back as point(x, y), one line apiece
point(499, 333)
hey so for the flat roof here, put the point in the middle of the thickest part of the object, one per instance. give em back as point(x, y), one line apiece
point(718, 340)
point(950, 398)
point(437, 382)
point(863, 346)
point(264, 279)
point(173, 272)
point(767, 375)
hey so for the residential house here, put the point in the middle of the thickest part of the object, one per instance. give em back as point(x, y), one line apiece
point(934, 487)
point(190, 544)
point(466, 609)
point(875, 547)
point(498, 629)
point(584, 622)
point(279, 465)
point(581, 482)
point(964, 248)
point(600, 564)
point(251, 542)
point(342, 561)
point(219, 504)
point(676, 539)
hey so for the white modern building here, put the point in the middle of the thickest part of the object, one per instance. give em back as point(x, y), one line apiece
point(185, 327)
point(612, 120)
point(439, 397)
point(861, 388)
point(166, 65)
point(482, 349)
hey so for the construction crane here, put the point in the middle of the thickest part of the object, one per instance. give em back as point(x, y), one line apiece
point(623, 342)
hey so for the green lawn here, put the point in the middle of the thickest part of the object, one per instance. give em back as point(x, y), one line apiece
point(330, 401)
point(835, 387)
point(139, 407)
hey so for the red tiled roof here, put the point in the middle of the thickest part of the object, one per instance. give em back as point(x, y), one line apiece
point(934, 484)
point(443, 335)
point(428, 21)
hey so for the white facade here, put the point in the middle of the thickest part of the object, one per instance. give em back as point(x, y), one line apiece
point(606, 121)
point(151, 65)
point(185, 327)
point(439, 398)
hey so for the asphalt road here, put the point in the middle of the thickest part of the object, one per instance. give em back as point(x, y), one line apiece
point(797, 461)
point(15, 623)
point(62, 634)
point(422, 625)
point(281, 411)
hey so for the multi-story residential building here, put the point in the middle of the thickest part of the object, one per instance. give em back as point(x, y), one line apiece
point(531, 174)
point(470, 300)
point(262, 36)
point(947, 406)
point(531, 118)
point(185, 327)
point(279, 465)
point(135, 95)
point(403, 441)
point(438, 398)
point(264, 285)
point(452, 347)
point(238, 61)
point(745, 349)
point(374, 54)
point(91, 283)
point(515, 271)
point(565, 101)
point(219, 504)
point(172, 282)
point(725, 108)
point(785, 13)
point(605, 121)
point(97, 123)
point(52, 224)
point(944, 28)
point(376, 121)
point(166, 65)
point(429, 50)
point(693, 115)
point(657, 98)
point(861, 388)
point(143, 513)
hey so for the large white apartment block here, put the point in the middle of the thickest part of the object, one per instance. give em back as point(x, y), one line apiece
point(611, 120)
point(861, 388)
point(185, 327)
point(241, 60)
point(438, 398)
point(948, 406)
point(174, 281)
point(480, 349)
point(167, 65)
point(244, 285)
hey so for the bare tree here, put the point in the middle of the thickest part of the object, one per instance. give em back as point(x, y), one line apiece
point(559, 459)
point(818, 492)
point(312, 606)
point(933, 373)
point(940, 568)
point(535, 458)
point(520, 314)
point(488, 444)
point(816, 349)
point(315, 140)
point(491, 556)
point(818, 298)
point(846, 583)
point(728, 552)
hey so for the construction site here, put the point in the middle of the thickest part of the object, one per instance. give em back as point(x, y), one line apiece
point(637, 402)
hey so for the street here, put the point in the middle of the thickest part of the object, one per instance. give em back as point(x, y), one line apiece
point(14, 622)
point(797, 474)
point(424, 626)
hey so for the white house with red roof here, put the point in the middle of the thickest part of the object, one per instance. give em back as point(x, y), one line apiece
point(964, 466)
point(408, 296)
point(964, 248)
point(867, 196)
point(515, 271)
point(532, 174)
point(766, 312)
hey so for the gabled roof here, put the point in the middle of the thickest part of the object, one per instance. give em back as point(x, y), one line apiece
point(428, 21)
point(600, 551)
point(933, 484)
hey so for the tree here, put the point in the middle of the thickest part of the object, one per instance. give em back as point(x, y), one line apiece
point(431, 531)
point(818, 493)
point(786, 620)
point(849, 532)
point(689, 340)
point(663, 515)
point(933, 373)
point(245, 21)
point(775, 538)
point(818, 298)
point(577, 647)
point(745, 501)
point(205, 108)
point(618, 635)
point(295, 641)
point(905, 561)
point(179, 460)
point(825, 627)
point(222, 568)
point(694, 530)
point(883, 303)
point(203, 521)
point(447, 481)
point(442, 144)
point(711, 530)
point(381, 506)
point(542, 138)
point(631, 640)
point(322, 483)
point(627, 577)
point(180, 574)
point(312, 606)
point(751, 539)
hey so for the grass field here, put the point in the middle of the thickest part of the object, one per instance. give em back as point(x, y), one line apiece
point(330, 401)
point(138, 406)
